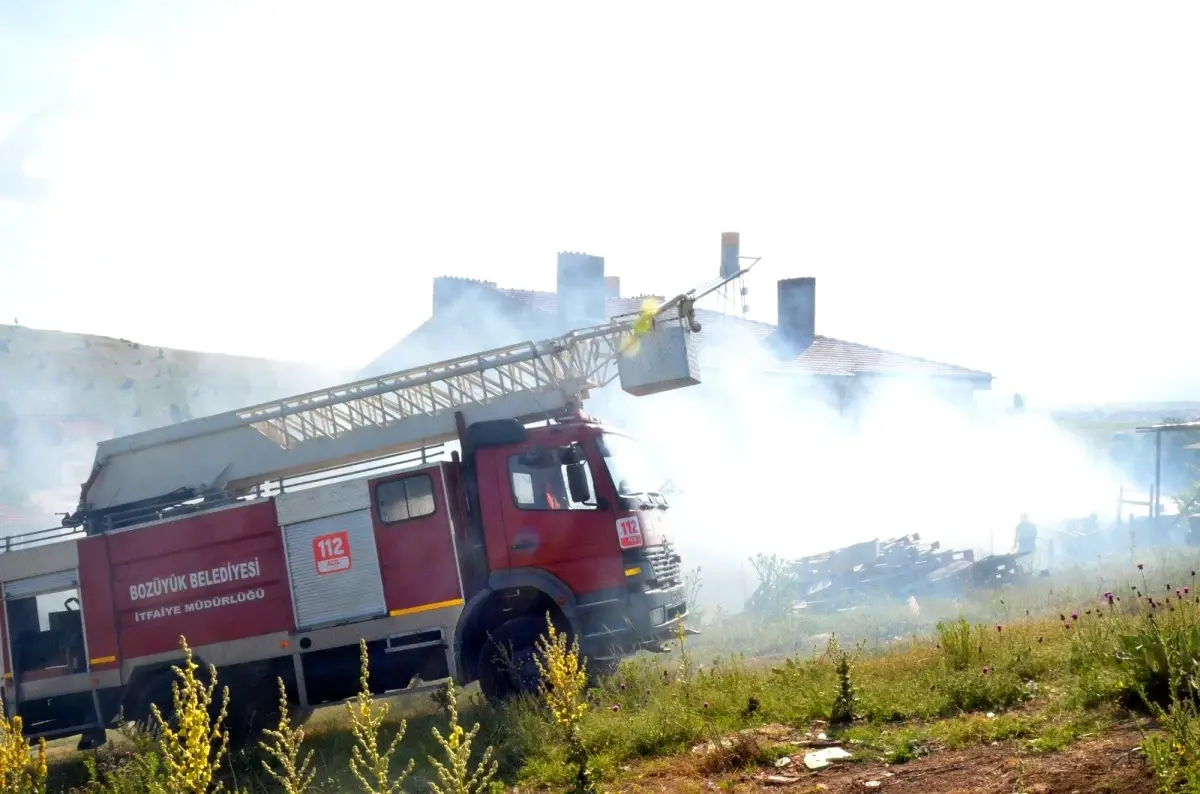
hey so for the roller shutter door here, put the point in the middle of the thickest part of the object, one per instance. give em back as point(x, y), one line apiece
point(335, 570)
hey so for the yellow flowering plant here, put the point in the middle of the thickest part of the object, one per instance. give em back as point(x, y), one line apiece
point(563, 689)
point(22, 768)
point(282, 744)
point(192, 747)
point(455, 776)
point(370, 764)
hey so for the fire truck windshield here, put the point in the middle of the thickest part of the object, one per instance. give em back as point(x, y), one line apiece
point(632, 475)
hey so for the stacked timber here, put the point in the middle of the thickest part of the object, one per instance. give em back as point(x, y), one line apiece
point(862, 572)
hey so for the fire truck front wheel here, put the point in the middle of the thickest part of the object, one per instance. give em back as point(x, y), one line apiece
point(600, 669)
point(507, 665)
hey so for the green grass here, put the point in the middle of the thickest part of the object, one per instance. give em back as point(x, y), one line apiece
point(1043, 665)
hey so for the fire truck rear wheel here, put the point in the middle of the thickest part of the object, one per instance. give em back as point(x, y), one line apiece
point(250, 714)
point(154, 690)
point(507, 665)
point(92, 739)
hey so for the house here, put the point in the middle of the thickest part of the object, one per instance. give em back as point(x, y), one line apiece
point(471, 315)
point(61, 393)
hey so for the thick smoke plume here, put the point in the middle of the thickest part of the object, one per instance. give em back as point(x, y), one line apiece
point(763, 463)
point(759, 460)
point(754, 460)
point(61, 394)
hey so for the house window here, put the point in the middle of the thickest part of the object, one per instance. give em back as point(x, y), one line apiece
point(542, 484)
point(401, 500)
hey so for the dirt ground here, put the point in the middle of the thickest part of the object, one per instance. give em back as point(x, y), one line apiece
point(1110, 764)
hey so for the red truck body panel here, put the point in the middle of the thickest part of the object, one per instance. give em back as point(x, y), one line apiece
point(491, 498)
point(417, 556)
point(579, 546)
point(212, 577)
point(96, 598)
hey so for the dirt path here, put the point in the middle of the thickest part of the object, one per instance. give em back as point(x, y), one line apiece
point(1108, 764)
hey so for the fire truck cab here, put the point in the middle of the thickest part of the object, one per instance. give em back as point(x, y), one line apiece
point(580, 535)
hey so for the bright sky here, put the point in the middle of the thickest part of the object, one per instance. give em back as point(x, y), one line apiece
point(1011, 187)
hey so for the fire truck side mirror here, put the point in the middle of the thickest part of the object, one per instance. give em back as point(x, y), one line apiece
point(577, 483)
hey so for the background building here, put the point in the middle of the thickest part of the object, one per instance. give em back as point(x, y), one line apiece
point(470, 315)
point(61, 393)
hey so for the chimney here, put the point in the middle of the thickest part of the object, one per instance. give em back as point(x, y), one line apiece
point(797, 306)
point(730, 245)
point(612, 287)
point(582, 290)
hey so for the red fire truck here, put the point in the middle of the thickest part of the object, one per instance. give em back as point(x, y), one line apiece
point(275, 537)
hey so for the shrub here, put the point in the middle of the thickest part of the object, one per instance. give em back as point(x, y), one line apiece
point(1175, 755)
point(845, 704)
point(129, 771)
point(1154, 651)
point(192, 748)
point(455, 776)
point(369, 765)
point(563, 690)
point(295, 773)
point(954, 638)
point(174, 754)
point(22, 771)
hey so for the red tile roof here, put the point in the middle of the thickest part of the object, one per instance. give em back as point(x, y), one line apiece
point(826, 355)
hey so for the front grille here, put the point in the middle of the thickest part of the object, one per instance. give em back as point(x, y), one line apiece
point(665, 563)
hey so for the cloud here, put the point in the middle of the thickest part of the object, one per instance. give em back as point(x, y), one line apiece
point(972, 214)
point(24, 142)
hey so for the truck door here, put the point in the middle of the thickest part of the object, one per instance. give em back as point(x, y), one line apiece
point(546, 528)
point(45, 633)
point(413, 531)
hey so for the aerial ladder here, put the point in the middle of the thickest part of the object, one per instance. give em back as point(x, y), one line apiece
point(231, 454)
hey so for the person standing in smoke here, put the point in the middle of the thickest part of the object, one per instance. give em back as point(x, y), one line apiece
point(1026, 536)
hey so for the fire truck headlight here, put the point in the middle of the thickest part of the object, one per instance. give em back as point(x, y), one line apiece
point(658, 616)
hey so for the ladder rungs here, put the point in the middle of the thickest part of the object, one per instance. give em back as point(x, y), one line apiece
point(358, 421)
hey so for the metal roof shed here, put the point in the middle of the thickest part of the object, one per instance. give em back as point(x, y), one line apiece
point(1158, 430)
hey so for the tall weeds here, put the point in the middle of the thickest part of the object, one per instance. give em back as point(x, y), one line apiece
point(292, 770)
point(22, 769)
point(1174, 754)
point(371, 765)
point(956, 687)
point(563, 687)
point(192, 743)
point(845, 704)
point(455, 776)
point(1162, 656)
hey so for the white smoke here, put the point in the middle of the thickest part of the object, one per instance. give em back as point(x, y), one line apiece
point(764, 463)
